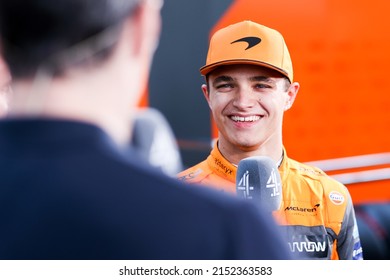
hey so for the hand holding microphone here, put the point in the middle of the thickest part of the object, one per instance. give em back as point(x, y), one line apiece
point(258, 179)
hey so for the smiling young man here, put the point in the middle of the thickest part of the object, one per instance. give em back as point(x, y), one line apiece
point(249, 86)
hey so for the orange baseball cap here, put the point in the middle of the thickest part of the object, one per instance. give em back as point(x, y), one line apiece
point(248, 42)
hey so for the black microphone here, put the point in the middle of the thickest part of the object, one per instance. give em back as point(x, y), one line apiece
point(155, 142)
point(258, 179)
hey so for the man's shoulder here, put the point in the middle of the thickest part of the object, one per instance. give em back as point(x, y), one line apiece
point(315, 175)
point(195, 174)
point(306, 170)
point(314, 184)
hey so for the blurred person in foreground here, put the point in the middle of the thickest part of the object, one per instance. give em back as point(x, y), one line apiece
point(249, 86)
point(68, 188)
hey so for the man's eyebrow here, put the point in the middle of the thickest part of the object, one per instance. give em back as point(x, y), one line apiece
point(224, 79)
point(261, 79)
point(221, 79)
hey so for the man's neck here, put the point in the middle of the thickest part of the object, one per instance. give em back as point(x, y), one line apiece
point(87, 100)
point(235, 154)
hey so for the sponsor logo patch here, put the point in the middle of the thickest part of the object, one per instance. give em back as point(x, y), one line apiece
point(252, 41)
point(336, 197)
point(191, 175)
point(223, 167)
point(302, 209)
point(357, 251)
point(310, 246)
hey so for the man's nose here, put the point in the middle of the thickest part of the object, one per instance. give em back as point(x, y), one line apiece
point(244, 98)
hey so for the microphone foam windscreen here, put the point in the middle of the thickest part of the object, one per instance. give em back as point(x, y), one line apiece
point(155, 141)
point(258, 179)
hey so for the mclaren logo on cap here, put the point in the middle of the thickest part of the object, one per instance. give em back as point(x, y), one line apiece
point(252, 41)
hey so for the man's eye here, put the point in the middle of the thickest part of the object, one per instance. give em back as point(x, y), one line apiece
point(262, 86)
point(222, 86)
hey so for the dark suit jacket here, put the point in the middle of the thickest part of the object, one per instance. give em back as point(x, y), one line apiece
point(68, 192)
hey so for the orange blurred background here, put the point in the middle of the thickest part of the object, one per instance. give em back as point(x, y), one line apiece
point(341, 57)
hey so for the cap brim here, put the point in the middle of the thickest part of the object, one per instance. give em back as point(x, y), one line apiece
point(210, 67)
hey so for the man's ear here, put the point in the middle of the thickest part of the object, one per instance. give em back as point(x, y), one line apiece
point(145, 26)
point(291, 95)
point(206, 94)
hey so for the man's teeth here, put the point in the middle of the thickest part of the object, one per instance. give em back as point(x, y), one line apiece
point(245, 119)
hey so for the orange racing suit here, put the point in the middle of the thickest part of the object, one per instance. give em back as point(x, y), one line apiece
point(316, 212)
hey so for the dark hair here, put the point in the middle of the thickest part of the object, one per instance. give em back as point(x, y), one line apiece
point(36, 33)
